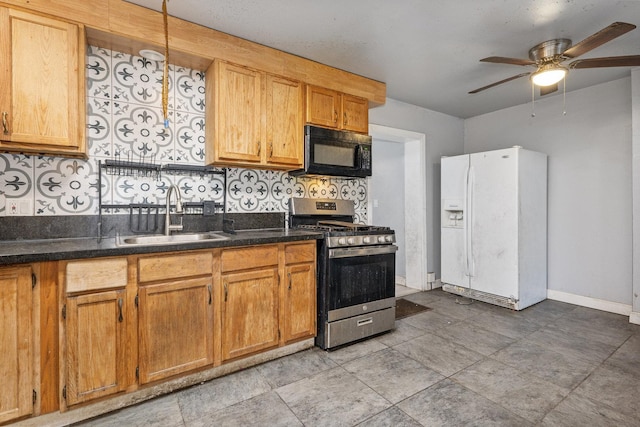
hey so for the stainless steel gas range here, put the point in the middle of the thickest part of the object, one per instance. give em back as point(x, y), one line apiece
point(356, 271)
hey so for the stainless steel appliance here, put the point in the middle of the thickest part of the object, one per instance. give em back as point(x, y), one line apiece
point(335, 153)
point(356, 271)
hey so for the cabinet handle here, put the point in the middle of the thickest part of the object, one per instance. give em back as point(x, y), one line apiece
point(289, 275)
point(5, 125)
point(226, 291)
point(335, 116)
point(120, 318)
point(344, 117)
point(210, 294)
point(259, 148)
point(271, 149)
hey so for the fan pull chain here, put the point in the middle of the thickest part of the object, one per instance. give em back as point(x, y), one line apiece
point(564, 96)
point(533, 100)
point(165, 73)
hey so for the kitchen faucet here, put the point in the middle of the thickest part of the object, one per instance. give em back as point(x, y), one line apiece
point(168, 227)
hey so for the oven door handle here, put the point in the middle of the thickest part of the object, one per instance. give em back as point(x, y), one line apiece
point(362, 251)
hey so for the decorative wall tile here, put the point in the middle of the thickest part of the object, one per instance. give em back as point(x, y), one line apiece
point(321, 188)
point(139, 189)
point(99, 73)
point(140, 135)
point(16, 175)
point(65, 186)
point(189, 141)
point(189, 90)
point(200, 188)
point(283, 188)
point(140, 77)
point(353, 189)
point(360, 217)
point(99, 132)
point(248, 190)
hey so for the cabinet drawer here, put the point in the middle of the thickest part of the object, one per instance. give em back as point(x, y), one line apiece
point(248, 257)
point(304, 252)
point(94, 274)
point(167, 267)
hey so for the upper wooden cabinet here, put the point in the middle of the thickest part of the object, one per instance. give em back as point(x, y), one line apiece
point(42, 85)
point(332, 109)
point(16, 342)
point(254, 119)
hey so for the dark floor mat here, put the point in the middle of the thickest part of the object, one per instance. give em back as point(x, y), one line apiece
point(406, 308)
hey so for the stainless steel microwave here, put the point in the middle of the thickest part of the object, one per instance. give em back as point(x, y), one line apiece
point(335, 153)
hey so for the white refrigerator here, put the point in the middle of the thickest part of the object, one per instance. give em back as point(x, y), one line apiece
point(494, 226)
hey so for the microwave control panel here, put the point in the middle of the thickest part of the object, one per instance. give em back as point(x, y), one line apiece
point(366, 157)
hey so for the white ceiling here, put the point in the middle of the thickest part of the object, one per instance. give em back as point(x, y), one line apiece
point(426, 51)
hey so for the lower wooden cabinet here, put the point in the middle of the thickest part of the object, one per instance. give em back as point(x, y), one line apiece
point(129, 322)
point(175, 327)
point(95, 345)
point(250, 321)
point(249, 312)
point(299, 302)
point(16, 343)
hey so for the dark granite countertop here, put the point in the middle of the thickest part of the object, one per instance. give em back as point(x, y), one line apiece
point(25, 251)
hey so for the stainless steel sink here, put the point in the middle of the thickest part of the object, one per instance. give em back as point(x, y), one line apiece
point(161, 239)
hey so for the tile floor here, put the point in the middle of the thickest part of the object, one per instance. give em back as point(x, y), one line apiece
point(553, 364)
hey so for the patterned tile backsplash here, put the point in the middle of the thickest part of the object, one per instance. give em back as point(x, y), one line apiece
point(125, 122)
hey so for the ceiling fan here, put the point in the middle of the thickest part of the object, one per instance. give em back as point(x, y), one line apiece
point(548, 57)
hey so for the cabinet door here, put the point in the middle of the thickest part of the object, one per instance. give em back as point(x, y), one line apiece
point(95, 345)
point(284, 131)
point(16, 363)
point(355, 114)
point(237, 124)
point(249, 312)
point(42, 81)
point(299, 303)
point(175, 323)
point(323, 107)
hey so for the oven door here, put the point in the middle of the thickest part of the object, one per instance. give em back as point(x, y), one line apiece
point(360, 276)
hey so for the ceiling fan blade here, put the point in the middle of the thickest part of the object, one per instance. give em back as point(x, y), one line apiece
point(503, 60)
point(601, 37)
point(608, 61)
point(500, 82)
point(546, 90)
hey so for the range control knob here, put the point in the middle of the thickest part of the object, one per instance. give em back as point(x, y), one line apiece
point(342, 241)
point(388, 239)
point(366, 240)
point(380, 239)
point(351, 240)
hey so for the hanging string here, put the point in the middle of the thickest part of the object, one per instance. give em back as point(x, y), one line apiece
point(165, 73)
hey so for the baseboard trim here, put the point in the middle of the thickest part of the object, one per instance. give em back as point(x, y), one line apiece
point(401, 280)
point(634, 317)
point(598, 304)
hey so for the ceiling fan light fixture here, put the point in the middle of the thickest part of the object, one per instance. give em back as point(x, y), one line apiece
point(548, 75)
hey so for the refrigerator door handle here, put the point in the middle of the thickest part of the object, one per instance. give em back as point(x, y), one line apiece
point(466, 221)
point(469, 224)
